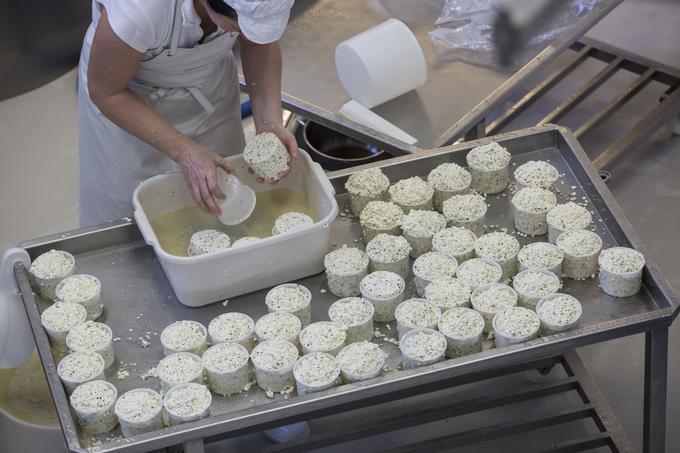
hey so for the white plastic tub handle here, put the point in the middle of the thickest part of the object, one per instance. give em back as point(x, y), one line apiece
point(144, 224)
point(16, 338)
point(316, 168)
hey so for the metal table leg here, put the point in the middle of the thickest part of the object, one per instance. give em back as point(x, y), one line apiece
point(194, 446)
point(656, 376)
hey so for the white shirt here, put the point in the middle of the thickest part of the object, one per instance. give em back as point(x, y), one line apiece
point(147, 24)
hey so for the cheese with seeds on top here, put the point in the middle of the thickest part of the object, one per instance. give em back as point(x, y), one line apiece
point(208, 241)
point(52, 264)
point(266, 155)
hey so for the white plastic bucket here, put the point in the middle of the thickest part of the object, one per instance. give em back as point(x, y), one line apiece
point(380, 63)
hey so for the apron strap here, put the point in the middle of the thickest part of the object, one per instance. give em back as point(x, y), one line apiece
point(176, 28)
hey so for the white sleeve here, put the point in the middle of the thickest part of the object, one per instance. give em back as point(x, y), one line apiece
point(141, 24)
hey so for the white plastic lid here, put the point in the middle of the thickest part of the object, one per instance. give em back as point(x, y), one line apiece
point(16, 339)
point(239, 202)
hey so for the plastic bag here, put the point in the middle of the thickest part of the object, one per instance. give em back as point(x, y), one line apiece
point(464, 31)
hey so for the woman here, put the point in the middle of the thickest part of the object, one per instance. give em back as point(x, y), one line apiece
point(158, 90)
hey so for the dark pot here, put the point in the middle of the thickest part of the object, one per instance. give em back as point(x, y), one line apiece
point(335, 151)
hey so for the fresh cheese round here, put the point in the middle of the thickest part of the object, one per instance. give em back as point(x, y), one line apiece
point(266, 155)
point(208, 241)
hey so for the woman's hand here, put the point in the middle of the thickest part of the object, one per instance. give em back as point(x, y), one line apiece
point(199, 166)
point(289, 141)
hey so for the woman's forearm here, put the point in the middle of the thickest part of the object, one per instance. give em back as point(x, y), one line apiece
point(132, 115)
point(262, 71)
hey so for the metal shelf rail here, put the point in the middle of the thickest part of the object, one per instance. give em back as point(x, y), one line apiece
point(591, 406)
point(617, 60)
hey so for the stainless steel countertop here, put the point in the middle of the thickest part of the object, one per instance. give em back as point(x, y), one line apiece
point(456, 96)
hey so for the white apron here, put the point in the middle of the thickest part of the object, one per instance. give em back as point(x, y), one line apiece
point(194, 89)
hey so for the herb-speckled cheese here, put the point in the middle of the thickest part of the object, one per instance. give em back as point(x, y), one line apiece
point(489, 157)
point(188, 400)
point(421, 224)
point(78, 288)
point(81, 366)
point(531, 206)
point(208, 241)
point(489, 168)
point(62, 316)
point(477, 271)
point(361, 358)
point(345, 267)
point(316, 369)
point(138, 405)
point(621, 260)
point(464, 208)
point(517, 322)
point(382, 285)
point(579, 242)
point(536, 173)
point(423, 345)
point(412, 192)
point(414, 313)
point(497, 246)
point(447, 292)
point(179, 368)
point(535, 283)
point(52, 264)
point(287, 298)
point(367, 183)
point(93, 403)
point(291, 221)
point(501, 248)
point(449, 177)
point(274, 354)
point(266, 155)
point(231, 327)
point(381, 216)
point(323, 336)
point(560, 310)
point(569, 216)
point(432, 266)
point(621, 271)
point(534, 200)
point(184, 336)
point(225, 357)
point(350, 311)
point(278, 325)
point(461, 323)
point(89, 336)
point(93, 396)
point(456, 242)
point(540, 255)
point(385, 248)
point(581, 249)
point(493, 298)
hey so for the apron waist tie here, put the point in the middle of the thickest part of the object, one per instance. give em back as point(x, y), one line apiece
point(160, 93)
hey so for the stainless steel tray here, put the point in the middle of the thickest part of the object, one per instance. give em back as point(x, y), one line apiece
point(140, 303)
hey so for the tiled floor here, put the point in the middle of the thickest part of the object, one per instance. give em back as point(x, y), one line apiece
point(38, 192)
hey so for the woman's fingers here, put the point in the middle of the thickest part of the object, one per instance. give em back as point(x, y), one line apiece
point(224, 165)
point(214, 187)
point(208, 198)
point(196, 195)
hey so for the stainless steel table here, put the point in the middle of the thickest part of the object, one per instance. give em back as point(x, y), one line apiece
point(455, 99)
point(140, 302)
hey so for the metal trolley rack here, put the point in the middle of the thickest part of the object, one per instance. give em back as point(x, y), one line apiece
point(134, 283)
